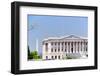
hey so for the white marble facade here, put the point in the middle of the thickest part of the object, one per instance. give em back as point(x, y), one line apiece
point(59, 48)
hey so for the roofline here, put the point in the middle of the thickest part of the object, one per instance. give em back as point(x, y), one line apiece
point(61, 37)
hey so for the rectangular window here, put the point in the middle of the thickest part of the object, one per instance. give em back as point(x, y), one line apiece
point(55, 50)
point(59, 43)
point(65, 50)
point(55, 57)
point(46, 47)
point(59, 57)
point(52, 57)
point(65, 43)
point(58, 50)
point(55, 43)
point(52, 50)
point(46, 57)
point(52, 43)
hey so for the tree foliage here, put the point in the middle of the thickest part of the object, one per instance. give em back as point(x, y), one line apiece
point(33, 55)
point(29, 54)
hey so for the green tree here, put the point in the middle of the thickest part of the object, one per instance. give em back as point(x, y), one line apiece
point(28, 51)
point(35, 54)
point(30, 56)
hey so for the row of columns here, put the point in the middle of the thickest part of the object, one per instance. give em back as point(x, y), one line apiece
point(69, 47)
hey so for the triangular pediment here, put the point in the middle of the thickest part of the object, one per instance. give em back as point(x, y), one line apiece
point(72, 36)
point(66, 37)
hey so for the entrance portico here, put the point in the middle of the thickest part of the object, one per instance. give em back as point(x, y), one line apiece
point(59, 48)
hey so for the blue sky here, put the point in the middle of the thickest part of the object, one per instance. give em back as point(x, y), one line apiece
point(42, 26)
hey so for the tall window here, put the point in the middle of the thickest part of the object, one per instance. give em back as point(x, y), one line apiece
point(52, 50)
point(65, 43)
point(65, 50)
point(55, 43)
point(86, 43)
point(75, 46)
point(62, 44)
point(72, 47)
point(55, 57)
point(52, 57)
point(59, 43)
point(55, 50)
point(86, 49)
point(59, 57)
point(86, 46)
point(58, 50)
point(46, 47)
point(52, 43)
point(46, 57)
point(78, 47)
point(62, 49)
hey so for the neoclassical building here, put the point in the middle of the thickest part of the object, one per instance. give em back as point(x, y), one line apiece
point(62, 47)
